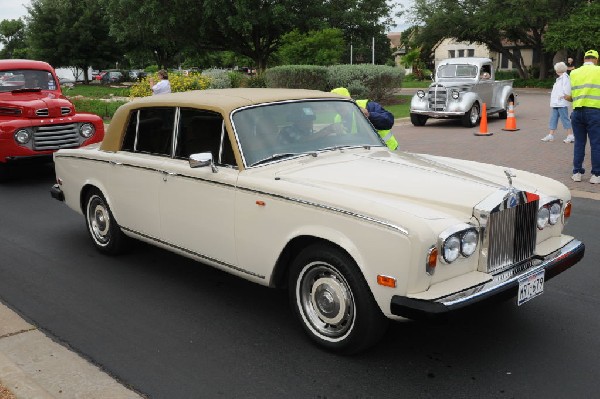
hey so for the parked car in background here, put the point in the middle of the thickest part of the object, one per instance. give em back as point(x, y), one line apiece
point(461, 87)
point(35, 118)
point(100, 75)
point(112, 77)
point(295, 189)
point(137, 74)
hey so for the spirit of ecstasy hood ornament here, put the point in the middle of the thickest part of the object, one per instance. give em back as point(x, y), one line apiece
point(509, 174)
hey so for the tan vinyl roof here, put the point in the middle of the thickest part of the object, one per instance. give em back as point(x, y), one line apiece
point(223, 101)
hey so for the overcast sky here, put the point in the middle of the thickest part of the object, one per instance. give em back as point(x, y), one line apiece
point(13, 9)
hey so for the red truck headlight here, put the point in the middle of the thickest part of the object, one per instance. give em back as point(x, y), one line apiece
point(22, 136)
point(87, 130)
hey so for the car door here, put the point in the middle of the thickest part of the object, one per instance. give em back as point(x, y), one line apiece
point(485, 87)
point(137, 170)
point(197, 204)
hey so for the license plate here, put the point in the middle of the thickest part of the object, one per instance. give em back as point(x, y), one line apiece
point(530, 287)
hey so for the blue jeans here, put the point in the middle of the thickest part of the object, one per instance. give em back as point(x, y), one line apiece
point(555, 114)
point(586, 124)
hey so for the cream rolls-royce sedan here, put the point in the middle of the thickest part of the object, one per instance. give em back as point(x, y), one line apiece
point(295, 189)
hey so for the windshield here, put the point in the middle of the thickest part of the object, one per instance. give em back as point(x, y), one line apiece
point(275, 131)
point(26, 79)
point(457, 71)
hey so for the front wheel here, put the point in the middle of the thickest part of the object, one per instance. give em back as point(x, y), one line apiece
point(470, 118)
point(333, 301)
point(102, 226)
point(418, 120)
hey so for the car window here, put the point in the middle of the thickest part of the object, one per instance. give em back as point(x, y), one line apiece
point(457, 71)
point(269, 132)
point(203, 131)
point(150, 130)
point(26, 79)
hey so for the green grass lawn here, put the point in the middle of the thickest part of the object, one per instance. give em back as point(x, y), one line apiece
point(400, 107)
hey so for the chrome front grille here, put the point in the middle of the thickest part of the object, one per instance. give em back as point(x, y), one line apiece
point(438, 96)
point(54, 137)
point(511, 235)
point(42, 112)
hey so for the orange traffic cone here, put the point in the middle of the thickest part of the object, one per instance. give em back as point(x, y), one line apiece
point(483, 129)
point(511, 121)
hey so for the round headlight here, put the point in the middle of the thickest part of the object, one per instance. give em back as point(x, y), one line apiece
point(555, 213)
point(468, 243)
point(22, 136)
point(542, 217)
point(420, 93)
point(455, 94)
point(451, 249)
point(87, 130)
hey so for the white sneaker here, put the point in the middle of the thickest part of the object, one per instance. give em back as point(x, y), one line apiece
point(595, 179)
point(570, 139)
point(548, 138)
point(576, 177)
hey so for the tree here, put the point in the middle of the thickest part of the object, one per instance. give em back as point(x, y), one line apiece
point(493, 23)
point(70, 33)
point(162, 29)
point(567, 32)
point(12, 37)
point(323, 47)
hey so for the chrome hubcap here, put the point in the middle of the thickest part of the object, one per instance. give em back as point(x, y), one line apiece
point(99, 220)
point(326, 300)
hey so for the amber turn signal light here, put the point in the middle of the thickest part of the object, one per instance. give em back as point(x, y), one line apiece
point(386, 281)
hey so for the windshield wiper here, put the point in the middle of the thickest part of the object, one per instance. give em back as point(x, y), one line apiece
point(25, 90)
point(281, 156)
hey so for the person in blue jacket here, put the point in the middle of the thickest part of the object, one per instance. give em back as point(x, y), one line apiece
point(381, 119)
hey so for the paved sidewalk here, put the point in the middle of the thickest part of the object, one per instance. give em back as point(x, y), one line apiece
point(32, 366)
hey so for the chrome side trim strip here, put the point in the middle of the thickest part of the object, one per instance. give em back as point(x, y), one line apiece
point(366, 218)
point(392, 226)
point(187, 251)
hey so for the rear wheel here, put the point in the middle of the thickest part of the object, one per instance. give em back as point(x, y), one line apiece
point(333, 301)
point(470, 118)
point(102, 226)
point(418, 120)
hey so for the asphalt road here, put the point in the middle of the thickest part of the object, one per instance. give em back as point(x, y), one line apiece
point(172, 328)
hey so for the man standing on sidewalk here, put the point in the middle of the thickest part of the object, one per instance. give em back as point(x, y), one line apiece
point(585, 94)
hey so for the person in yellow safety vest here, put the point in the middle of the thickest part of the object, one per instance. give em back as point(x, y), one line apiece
point(381, 119)
point(585, 94)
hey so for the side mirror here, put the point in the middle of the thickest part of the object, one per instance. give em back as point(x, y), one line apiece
point(201, 160)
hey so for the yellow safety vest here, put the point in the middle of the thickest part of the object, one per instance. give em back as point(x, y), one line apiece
point(386, 135)
point(585, 86)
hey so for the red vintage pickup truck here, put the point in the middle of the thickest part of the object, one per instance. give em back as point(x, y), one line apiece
point(35, 118)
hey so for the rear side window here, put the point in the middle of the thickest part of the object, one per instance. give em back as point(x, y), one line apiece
point(150, 131)
point(203, 131)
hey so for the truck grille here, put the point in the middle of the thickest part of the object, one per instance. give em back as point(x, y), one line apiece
point(54, 137)
point(511, 236)
point(438, 94)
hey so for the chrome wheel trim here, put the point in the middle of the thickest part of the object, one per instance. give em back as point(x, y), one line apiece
point(98, 220)
point(474, 115)
point(325, 301)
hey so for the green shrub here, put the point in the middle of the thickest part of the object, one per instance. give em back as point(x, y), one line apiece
point(256, 81)
point(379, 81)
point(297, 77)
point(219, 78)
point(237, 79)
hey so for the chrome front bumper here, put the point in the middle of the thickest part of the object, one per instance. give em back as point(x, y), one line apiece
point(502, 286)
